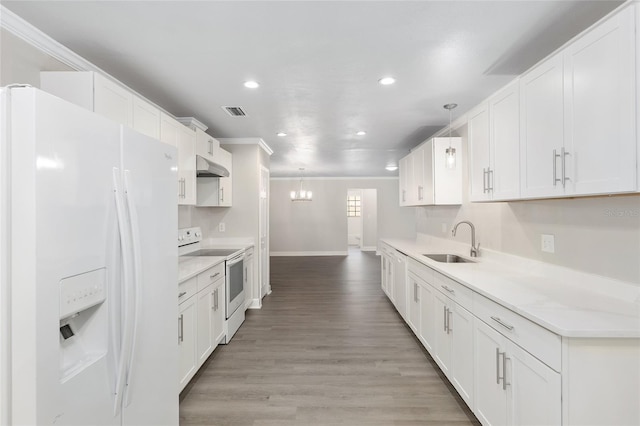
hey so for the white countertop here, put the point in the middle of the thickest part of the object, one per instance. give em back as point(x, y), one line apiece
point(190, 266)
point(566, 302)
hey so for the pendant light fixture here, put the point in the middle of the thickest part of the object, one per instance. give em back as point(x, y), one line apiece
point(301, 194)
point(450, 153)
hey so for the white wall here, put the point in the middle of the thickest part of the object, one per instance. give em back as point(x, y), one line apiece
point(600, 235)
point(20, 62)
point(320, 226)
point(369, 219)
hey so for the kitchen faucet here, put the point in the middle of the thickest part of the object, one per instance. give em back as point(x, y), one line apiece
point(474, 249)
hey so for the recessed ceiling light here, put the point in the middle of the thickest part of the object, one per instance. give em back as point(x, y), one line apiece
point(251, 84)
point(387, 81)
point(361, 133)
point(391, 168)
point(282, 134)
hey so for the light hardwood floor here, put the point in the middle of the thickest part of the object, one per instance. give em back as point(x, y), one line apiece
point(326, 348)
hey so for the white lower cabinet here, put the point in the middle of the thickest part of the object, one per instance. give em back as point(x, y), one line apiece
point(187, 320)
point(387, 270)
point(201, 320)
point(511, 386)
point(400, 283)
point(427, 317)
point(413, 307)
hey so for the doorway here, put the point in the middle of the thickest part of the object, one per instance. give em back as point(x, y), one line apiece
point(362, 219)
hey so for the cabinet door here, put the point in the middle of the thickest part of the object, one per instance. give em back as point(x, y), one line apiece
point(600, 104)
point(186, 165)
point(169, 130)
point(402, 181)
point(187, 341)
point(504, 176)
point(112, 101)
point(534, 390)
point(146, 118)
point(413, 316)
point(420, 157)
point(217, 328)
point(490, 397)
point(225, 193)
point(390, 277)
point(462, 352)
point(442, 353)
point(205, 304)
point(206, 146)
point(479, 159)
point(400, 284)
point(541, 128)
point(252, 293)
point(427, 317)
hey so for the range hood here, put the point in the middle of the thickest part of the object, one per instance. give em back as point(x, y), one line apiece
point(207, 168)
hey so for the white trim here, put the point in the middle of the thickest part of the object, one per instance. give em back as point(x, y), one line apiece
point(308, 253)
point(32, 35)
point(192, 123)
point(253, 304)
point(297, 178)
point(368, 248)
point(247, 141)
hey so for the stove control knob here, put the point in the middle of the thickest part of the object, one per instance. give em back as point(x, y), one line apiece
point(198, 235)
point(180, 238)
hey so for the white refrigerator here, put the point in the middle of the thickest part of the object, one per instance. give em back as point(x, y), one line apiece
point(88, 268)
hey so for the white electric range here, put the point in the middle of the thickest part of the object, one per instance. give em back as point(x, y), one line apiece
point(190, 245)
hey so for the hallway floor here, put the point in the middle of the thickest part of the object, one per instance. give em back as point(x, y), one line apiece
point(327, 348)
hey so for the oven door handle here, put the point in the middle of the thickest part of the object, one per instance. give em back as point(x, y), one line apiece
point(235, 260)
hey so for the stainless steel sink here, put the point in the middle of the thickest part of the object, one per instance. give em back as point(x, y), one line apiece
point(448, 258)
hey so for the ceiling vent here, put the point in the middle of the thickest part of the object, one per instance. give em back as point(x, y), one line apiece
point(234, 111)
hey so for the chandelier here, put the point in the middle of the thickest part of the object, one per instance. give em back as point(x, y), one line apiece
point(301, 194)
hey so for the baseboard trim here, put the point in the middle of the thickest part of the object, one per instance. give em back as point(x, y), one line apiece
point(254, 304)
point(308, 253)
point(369, 248)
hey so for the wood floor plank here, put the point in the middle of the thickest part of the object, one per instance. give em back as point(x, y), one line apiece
point(327, 348)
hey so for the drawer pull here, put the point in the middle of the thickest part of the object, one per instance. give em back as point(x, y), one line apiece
point(182, 293)
point(450, 290)
point(214, 275)
point(502, 323)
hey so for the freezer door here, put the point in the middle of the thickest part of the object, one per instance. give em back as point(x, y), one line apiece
point(64, 253)
point(150, 176)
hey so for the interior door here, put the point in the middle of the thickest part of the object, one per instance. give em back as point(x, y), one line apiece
point(263, 256)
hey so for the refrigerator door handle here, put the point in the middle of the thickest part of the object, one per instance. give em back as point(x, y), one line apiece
point(126, 269)
point(137, 276)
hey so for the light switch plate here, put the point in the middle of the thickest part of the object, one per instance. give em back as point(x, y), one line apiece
point(548, 243)
point(221, 227)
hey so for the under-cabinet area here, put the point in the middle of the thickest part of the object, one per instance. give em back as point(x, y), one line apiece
point(521, 344)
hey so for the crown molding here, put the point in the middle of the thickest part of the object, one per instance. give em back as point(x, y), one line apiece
point(247, 141)
point(32, 35)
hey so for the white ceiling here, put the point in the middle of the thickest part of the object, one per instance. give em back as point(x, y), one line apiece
point(318, 63)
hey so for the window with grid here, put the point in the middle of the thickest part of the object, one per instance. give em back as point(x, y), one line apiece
point(353, 206)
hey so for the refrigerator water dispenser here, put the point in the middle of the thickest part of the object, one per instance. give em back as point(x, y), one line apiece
point(83, 322)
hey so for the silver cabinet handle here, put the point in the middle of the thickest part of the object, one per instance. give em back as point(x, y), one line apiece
point(502, 323)
point(215, 299)
point(182, 293)
point(444, 321)
point(504, 370)
point(222, 195)
point(450, 290)
point(404, 193)
point(497, 366)
point(181, 328)
point(415, 292)
point(420, 192)
point(449, 329)
point(211, 146)
point(484, 181)
point(555, 168)
point(214, 275)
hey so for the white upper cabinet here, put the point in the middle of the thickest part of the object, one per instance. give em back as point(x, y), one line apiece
point(97, 93)
point(600, 114)
point(479, 154)
point(542, 128)
point(494, 134)
point(183, 138)
point(206, 146)
point(424, 178)
point(578, 115)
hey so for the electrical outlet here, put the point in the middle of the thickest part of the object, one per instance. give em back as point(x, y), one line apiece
point(221, 227)
point(548, 243)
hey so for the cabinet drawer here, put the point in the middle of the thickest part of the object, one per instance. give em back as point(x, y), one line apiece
point(210, 276)
point(421, 271)
point(186, 289)
point(454, 290)
point(537, 340)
